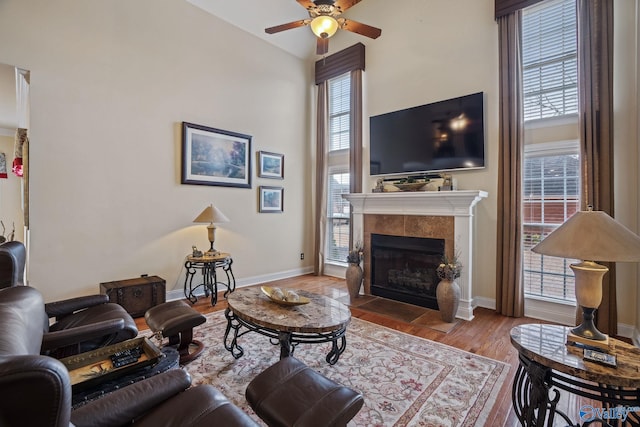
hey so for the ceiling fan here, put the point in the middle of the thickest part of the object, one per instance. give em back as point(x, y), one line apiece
point(324, 20)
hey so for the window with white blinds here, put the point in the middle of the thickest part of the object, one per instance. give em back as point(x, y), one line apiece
point(551, 195)
point(551, 175)
point(338, 209)
point(549, 59)
point(339, 112)
point(338, 217)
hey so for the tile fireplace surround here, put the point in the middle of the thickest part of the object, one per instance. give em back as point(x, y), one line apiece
point(444, 215)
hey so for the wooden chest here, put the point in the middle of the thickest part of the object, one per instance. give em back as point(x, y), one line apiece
point(136, 295)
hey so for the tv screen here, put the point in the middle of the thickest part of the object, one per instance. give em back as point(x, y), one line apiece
point(442, 136)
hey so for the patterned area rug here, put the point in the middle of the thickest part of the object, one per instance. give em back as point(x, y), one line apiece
point(405, 380)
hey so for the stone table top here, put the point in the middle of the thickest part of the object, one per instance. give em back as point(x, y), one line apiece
point(546, 345)
point(321, 314)
point(220, 256)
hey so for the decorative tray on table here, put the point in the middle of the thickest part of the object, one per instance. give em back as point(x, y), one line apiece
point(106, 363)
point(284, 296)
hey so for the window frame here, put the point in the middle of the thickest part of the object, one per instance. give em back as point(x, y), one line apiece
point(337, 163)
point(548, 136)
point(549, 149)
point(549, 64)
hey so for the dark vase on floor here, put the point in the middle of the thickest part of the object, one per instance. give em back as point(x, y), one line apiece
point(448, 296)
point(354, 280)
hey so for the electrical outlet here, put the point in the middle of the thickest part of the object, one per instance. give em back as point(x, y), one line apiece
point(301, 255)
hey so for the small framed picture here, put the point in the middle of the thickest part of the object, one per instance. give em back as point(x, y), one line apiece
point(270, 165)
point(271, 199)
point(215, 157)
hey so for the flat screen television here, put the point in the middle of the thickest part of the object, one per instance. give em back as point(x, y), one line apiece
point(438, 137)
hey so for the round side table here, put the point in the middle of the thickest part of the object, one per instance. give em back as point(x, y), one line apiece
point(208, 266)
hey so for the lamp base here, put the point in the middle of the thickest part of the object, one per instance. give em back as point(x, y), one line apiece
point(573, 339)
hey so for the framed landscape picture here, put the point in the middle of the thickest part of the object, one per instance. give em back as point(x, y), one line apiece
point(271, 199)
point(270, 165)
point(215, 157)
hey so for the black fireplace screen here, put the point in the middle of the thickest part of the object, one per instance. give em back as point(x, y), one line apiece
point(404, 268)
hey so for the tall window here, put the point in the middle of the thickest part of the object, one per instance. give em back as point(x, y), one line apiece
point(551, 188)
point(551, 195)
point(550, 59)
point(338, 209)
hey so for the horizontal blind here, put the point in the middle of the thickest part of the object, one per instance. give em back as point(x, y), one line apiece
point(551, 190)
point(338, 216)
point(339, 112)
point(549, 59)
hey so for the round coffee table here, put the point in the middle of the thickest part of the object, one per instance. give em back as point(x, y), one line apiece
point(321, 320)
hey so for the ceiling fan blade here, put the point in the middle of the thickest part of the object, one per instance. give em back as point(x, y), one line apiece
point(345, 4)
point(322, 47)
point(362, 29)
point(288, 26)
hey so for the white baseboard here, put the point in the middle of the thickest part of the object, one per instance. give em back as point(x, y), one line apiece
point(175, 294)
point(484, 303)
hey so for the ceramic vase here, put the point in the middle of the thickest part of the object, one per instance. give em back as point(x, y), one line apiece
point(354, 279)
point(448, 296)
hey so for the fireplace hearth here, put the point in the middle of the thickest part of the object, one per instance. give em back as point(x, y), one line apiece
point(404, 268)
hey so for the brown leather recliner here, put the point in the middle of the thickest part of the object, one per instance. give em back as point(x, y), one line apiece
point(81, 324)
point(12, 260)
point(85, 323)
point(36, 390)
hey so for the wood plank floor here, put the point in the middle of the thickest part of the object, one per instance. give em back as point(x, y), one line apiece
point(487, 334)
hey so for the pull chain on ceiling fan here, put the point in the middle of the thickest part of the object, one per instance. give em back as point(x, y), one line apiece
point(324, 20)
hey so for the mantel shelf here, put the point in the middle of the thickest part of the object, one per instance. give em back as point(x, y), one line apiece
point(446, 203)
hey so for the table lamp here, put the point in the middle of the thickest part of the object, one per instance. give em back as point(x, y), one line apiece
point(212, 215)
point(590, 235)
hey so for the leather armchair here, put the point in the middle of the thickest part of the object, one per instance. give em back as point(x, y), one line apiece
point(80, 324)
point(12, 259)
point(36, 389)
point(85, 323)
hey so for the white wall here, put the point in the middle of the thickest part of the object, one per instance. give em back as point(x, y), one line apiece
point(430, 51)
point(8, 103)
point(111, 83)
point(434, 50)
point(626, 153)
point(10, 194)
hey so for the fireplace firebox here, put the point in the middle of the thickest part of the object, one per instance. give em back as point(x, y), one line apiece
point(404, 268)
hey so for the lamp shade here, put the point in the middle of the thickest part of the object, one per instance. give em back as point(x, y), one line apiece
point(593, 236)
point(324, 26)
point(211, 214)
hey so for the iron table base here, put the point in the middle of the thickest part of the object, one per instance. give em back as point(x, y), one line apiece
point(287, 340)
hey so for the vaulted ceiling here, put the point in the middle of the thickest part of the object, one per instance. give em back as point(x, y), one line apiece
point(253, 16)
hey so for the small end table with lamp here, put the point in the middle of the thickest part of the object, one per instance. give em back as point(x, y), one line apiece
point(587, 236)
point(209, 262)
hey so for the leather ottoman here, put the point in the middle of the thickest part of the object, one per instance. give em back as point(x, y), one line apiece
point(175, 320)
point(289, 393)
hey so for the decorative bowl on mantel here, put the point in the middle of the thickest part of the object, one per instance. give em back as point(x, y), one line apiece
point(410, 186)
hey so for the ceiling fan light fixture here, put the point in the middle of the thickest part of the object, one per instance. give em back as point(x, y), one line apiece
point(324, 26)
